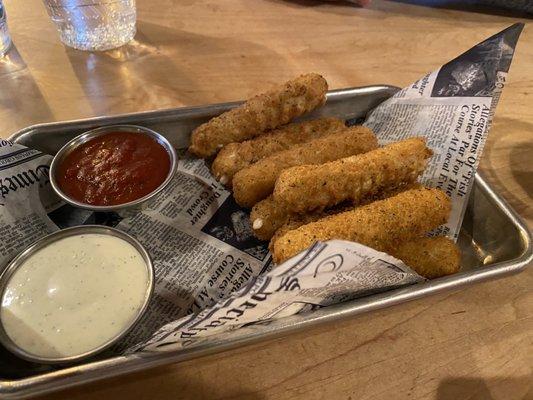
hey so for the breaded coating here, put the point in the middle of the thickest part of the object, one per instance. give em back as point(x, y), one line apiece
point(431, 257)
point(309, 187)
point(382, 225)
point(256, 182)
point(259, 114)
point(294, 221)
point(269, 217)
point(236, 156)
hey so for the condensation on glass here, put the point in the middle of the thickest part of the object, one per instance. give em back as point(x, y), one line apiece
point(93, 25)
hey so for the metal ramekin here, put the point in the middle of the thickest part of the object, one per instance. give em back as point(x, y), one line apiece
point(64, 233)
point(84, 137)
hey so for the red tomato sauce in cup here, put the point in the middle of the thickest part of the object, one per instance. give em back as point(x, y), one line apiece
point(112, 169)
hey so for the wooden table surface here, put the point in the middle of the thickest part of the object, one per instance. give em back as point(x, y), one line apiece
point(475, 343)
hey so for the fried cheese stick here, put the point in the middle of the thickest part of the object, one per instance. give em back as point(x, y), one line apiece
point(261, 113)
point(236, 156)
point(431, 257)
point(381, 225)
point(308, 187)
point(256, 182)
point(269, 217)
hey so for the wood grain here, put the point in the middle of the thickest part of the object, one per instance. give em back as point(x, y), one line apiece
point(473, 344)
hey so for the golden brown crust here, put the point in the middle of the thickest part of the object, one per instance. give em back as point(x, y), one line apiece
point(431, 257)
point(259, 114)
point(294, 221)
point(381, 225)
point(271, 219)
point(236, 156)
point(266, 217)
point(256, 182)
point(309, 187)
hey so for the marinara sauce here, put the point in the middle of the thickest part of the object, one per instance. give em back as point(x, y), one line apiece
point(113, 169)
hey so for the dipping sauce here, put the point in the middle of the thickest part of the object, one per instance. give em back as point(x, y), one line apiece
point(74, 295)
point(112, 169)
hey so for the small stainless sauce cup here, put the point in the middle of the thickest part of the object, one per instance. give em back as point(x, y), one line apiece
point(64, 233)
point(85, 137)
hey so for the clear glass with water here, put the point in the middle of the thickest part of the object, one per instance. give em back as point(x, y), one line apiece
point(93, 25)
point(5, 39)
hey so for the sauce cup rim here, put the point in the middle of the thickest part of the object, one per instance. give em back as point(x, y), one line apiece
point(101, 131)
point(15, 263)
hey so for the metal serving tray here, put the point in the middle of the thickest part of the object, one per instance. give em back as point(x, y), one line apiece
point(494, 240)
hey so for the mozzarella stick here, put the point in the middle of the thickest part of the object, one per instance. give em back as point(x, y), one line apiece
point(259, 114)
point(431, 257)
point(256, 182)
point(236, 156)
point(308, 187)
point(381, 225)
point(266, 217)
point(269, 216)
point(296, 220)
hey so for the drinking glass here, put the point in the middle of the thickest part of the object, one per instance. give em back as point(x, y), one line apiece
point(5, 39)
point(93, 25)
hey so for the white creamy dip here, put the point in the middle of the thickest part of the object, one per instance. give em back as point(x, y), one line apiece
point(74, 295)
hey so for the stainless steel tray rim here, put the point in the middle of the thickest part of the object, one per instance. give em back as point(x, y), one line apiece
point(121, 365)
point(183, 111)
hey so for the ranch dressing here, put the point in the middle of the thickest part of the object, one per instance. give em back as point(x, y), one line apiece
point(74, 295)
